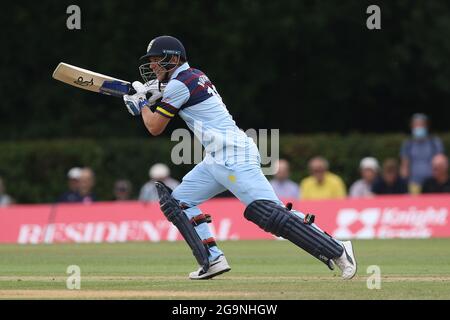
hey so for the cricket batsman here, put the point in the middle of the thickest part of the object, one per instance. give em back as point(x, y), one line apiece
point(231, 162)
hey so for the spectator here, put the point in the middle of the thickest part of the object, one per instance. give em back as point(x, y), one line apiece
point(281, 184)
point(439, 182)
point(122, 190)
point(5, 200)
point(390, 182)
point(86, 184)
point(417, 153)
point(369, 168)
point(73, 181)
point(158, 172)
point(322, 184)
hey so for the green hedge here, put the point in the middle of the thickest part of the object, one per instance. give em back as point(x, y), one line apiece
point(35, 171)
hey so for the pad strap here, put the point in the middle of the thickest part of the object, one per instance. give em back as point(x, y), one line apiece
point(309, 219)
point(201, 218)
point(210, 242)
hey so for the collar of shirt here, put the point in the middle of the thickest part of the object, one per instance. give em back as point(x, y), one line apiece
point(183, 67)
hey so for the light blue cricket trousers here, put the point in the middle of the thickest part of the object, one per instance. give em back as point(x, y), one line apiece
point(243, 177)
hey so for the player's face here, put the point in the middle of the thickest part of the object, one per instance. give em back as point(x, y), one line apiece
point(156, 68)
point(161, 72)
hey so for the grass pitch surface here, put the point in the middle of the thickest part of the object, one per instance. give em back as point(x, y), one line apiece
point(410, 269)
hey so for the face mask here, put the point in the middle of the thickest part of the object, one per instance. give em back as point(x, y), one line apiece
point(419, 132)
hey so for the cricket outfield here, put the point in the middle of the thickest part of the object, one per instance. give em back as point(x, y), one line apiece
point(410, 269)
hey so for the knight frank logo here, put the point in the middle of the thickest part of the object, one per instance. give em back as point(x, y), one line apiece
point(390, 222)
point(357, 224)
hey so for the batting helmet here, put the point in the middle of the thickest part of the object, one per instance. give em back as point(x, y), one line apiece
point(165, 45)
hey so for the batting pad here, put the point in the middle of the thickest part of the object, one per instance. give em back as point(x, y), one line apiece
point(279, 221)
point(171, 209)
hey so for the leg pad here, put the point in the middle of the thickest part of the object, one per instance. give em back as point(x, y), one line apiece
point(277, 220)
point(173, 212)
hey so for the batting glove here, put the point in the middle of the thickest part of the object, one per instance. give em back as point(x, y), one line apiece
point(137, 101)
point(155, 89)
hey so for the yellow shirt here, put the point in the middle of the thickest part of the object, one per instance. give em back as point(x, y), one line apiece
point(332, 187)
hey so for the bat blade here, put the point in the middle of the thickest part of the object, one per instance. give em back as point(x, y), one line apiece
point(92, 81)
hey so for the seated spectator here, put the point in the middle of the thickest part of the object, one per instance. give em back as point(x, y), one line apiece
point(73, 182)
point(86, 185)
point(439, 182)
point(363, 187)
point(390, 182)
point(5, 200)
point(322, 184)
point(281, 184)
point(158, 172)
point(417, 153)
point(122, 190)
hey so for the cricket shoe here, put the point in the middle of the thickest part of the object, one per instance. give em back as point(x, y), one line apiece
point(347, 262)
point(216, 267)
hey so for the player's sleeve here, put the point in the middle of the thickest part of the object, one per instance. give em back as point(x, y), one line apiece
point(175, 95)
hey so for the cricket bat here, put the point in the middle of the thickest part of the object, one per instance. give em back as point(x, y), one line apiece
point(92, 81)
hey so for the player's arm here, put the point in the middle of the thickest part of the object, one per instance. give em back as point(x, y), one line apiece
point(158, 114)
point(154, 122)
point(160, 108)
point(156, 118)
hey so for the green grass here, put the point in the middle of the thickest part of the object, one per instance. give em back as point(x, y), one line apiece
point(410, 269)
